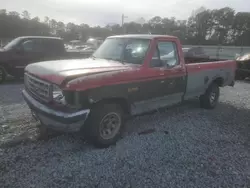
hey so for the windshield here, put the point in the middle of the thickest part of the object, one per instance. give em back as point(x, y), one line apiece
point(128, 50)
point(12, 44)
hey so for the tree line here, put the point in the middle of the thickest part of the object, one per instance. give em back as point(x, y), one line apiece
point(204, 27)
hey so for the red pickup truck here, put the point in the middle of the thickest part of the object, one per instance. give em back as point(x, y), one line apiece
point(127, 75)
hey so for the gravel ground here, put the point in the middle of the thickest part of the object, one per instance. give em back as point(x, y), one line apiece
point(185, 146)
point(16, 123)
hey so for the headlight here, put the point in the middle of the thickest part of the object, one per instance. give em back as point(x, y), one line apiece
point(58, 95)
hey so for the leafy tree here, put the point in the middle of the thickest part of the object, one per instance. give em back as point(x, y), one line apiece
point(26, 15)
point(204, 26)
point(241, 28)
point(222, 24)
point(199, 27)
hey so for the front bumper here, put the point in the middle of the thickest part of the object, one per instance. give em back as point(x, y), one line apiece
point(54, 119)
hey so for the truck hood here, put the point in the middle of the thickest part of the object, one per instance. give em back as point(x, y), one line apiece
point(58, 71)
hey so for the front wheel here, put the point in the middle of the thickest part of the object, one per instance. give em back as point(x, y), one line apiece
point(104, 125)
point(210, 99)
point(2, 75)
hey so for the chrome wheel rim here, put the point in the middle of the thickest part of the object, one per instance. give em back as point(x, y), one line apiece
point(110, 125)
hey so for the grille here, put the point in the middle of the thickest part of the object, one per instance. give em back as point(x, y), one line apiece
point(38, 88)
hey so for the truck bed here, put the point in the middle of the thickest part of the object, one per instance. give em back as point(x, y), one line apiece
point(200, 60)
point(201, 74)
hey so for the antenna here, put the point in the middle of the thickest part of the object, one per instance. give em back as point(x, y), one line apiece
point(123, 17)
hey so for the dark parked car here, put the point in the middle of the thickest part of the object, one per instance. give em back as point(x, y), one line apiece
point(21, 51)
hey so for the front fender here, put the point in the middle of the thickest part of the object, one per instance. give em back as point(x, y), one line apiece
point(107, 92)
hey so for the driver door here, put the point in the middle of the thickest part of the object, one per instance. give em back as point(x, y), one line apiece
point(168, 76)
point(174, 72)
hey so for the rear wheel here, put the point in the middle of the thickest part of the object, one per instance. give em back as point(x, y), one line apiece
point(104, 125)
point(2, 75)
point(210, 99)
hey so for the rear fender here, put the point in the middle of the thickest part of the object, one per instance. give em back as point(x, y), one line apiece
point(218, 80)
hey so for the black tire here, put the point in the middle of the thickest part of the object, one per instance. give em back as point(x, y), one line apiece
point(2, 75)
point(210, 99)
point(94, 130)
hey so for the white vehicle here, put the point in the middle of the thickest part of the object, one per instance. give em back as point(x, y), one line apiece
point(94, 42)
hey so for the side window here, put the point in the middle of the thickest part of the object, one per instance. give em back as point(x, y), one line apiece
point(165, 55)
point(32, 46)
point(52, 46)
point(28, 46)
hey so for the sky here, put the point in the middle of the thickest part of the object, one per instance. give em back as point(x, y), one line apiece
point(102, 12)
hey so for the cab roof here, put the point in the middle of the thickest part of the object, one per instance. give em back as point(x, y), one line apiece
point(39, 37)
point(145, 36)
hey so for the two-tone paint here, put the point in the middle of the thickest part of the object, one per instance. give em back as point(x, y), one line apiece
point(138, 88)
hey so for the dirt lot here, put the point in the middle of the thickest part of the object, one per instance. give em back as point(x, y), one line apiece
point(189, 147)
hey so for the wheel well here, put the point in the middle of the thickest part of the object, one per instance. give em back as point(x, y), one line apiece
point(219, 81)
point(121, 101)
